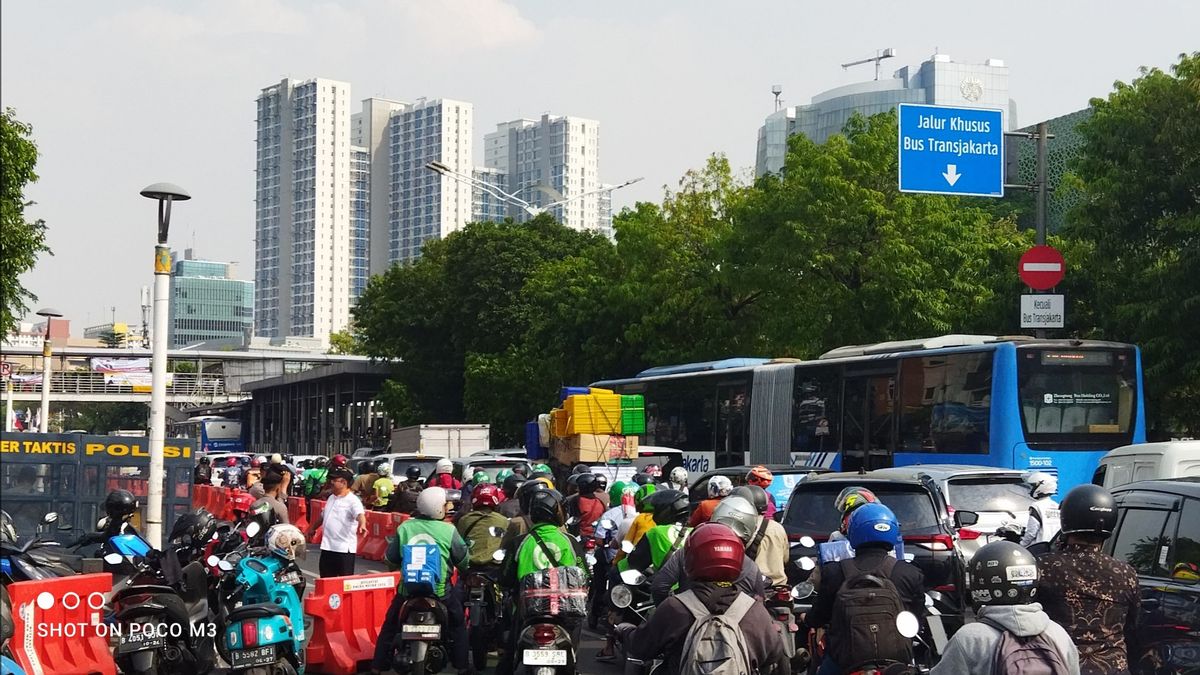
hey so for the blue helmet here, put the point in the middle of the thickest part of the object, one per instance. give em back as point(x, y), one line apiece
point(873, 524)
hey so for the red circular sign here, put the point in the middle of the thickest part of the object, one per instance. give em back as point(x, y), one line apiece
point(1042, 268)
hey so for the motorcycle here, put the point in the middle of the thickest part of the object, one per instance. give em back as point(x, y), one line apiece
point(545, 644)
point(162, 613)
point(421, 648)
point(262, 619)
point(484, 608)
point(38, 557)
point(7, 665)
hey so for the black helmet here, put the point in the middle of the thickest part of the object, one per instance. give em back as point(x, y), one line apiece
point(546, 507)
point(670, 507)
point(521, 469)
point(120, 504)
point(541, 474)
point(512, 484)
point(1088, 509)
point(322, 462)
point(601, 482)
point(526, 492)
point(1002, 573)
point(413, 472)
point(205, 460)
point(581, 469)
point(753, 494)
point(642, 478)
point(197, 527)
point(588, 483)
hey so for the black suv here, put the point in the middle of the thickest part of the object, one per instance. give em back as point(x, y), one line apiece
point(1158, 533)
point(925, 523)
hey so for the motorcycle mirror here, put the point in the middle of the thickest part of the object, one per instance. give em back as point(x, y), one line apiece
point(213, 561)
point(906, 624)
point(50, 518)
point(633, 577)
point(806, 563)
point(495, 532)
point(499, 555)
point(253, 528)
point(807, 542)
point(608, 524)
point(627, 546)
point(621, 596)
point(802, 590)
point(102, 523)
point(225, 565)
point(928, 600)
point(114, 558)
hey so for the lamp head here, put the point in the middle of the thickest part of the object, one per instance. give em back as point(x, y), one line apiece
point(49, 313)
point(164, 191)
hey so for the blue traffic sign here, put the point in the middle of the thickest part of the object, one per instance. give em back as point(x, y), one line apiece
point(951, 151)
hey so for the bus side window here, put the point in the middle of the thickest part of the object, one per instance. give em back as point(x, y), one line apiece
point(1098, 477)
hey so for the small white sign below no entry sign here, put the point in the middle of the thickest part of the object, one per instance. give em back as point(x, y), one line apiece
point(1043, 311)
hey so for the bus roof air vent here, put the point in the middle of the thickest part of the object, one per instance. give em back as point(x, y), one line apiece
point(908, 345)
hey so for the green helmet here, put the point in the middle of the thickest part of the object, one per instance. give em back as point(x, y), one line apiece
point(481, 477)
point(542, 468)
point(615, 492)
point(501, 475)
point(643, 498)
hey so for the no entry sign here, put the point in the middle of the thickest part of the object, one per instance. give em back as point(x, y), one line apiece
point(1042, 268)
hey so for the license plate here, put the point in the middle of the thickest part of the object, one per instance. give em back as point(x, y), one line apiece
point(289, 579)
point(140, 641)
point(420, 631)
point(545, 657)
point(248, 658)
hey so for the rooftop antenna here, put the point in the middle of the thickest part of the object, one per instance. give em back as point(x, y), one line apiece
point(880, 54)
point(777, 90)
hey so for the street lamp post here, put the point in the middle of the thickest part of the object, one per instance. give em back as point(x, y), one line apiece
point(164, 193)
point(44, 414)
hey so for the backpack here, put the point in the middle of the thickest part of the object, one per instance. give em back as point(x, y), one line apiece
point(752, 548)
point(715, 644)
point(1032, 655)
point(421, 565)
point(864, 618)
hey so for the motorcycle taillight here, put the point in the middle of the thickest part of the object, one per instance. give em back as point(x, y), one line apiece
point(543, 634)
point(249, 633)
point(591, 544)
point(783, 595)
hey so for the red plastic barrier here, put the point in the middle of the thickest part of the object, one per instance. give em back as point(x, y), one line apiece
point(347, 613)
point(64, 634)
point(380, 526)
point(318, 505)
point(296, 513)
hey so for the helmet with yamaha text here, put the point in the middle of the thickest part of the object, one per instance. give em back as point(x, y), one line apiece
point(713, 553)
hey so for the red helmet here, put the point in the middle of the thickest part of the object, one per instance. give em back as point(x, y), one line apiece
point(487, 495)
point(713, 552)
point(653, 470)
point(338, 460)
point(232, 461)
point(240, 502)
point(760, 476)
point(257, 462)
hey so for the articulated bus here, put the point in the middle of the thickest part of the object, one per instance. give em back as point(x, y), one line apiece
point(1012, 402)
point(212, 433)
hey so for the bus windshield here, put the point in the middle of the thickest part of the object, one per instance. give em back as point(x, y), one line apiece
point(1077, 396)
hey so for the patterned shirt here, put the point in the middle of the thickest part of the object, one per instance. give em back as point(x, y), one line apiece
point(1096, 598)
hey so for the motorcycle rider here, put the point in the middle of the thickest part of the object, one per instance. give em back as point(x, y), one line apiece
point(738, 515)
point(314, 479)
point(678, 480)
point(428, 526)
point(670, 512)
point(873, 531)
point(383, 486)
point(606, 541)
point(510, 507)
point(1002, 578)
point(838, 546)
point(761, 476)
point(233, 473)
point(719, 488)
point(479, 477)
point(273, 495)
point(1095, 597)
point(1044, 520)
point(585, 506)
point(769, 545)
point(521, 523)
point(443, 476)
point(642, 523)
point(475, 525)
point(202, 475)
point(712, 558)
point(119, 507)
point(404, 500)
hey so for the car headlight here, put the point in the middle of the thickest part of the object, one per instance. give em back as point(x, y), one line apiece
point(621, 596)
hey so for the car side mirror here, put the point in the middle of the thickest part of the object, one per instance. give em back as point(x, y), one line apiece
point(965, 519)
point(807, 542)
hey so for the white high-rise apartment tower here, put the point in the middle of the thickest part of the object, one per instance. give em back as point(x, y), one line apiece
point(559, 153)
point(302, 220)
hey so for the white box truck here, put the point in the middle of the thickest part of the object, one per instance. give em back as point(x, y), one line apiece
point(442, 440)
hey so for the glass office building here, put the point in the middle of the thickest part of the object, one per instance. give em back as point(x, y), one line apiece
point(208, 304)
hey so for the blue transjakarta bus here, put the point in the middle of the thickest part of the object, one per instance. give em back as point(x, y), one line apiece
point(213, 434)
point(1012, 402)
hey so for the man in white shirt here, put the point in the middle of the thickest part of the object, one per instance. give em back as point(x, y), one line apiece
point(339, 541)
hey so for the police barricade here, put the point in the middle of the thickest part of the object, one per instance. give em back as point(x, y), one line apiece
point(318, 505)
point(58, 625)
point(297, 514)
point(373, 545)
point(347, 613)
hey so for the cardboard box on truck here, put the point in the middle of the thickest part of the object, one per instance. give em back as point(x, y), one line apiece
point(442, 440)
point(594, 448)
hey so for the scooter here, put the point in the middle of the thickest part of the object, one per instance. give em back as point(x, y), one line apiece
point(545, 644)
point(38, 557)
point(7, 665)
point(266, 634)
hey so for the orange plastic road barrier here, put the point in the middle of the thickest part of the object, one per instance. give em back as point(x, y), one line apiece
point(347, 613)
point(318, 505)
point(59, 626)
point(296, 513)
point(380, 526)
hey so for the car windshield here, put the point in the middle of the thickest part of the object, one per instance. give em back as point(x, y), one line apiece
point(491, 469)
point(810, 510)
point(1009, 495)
point(400, 465)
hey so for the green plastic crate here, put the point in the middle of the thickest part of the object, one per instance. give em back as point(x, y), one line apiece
point(633, 401)
point(633, 421)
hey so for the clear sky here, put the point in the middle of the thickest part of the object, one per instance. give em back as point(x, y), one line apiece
point(124, 93)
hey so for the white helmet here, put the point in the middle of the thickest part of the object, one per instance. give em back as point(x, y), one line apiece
point(719, 486)
point(431, 503)
point(286, 541)
point(1042, 484)
point(444, 466)
point(277, 458)
point(679, 476)
point(384, 470)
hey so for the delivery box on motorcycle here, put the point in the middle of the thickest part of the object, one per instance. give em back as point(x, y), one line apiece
point(557, 591)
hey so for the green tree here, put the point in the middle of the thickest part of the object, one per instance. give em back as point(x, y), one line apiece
point(344, 342)
point(21, 240)
point(102, 418)
point(1139, 222)
point(112, 339)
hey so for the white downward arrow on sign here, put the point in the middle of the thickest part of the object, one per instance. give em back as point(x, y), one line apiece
point(951, 175)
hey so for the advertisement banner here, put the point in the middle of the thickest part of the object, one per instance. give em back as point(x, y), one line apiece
point(109, 365)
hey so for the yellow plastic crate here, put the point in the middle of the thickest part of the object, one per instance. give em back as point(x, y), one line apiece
point(593, 414)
